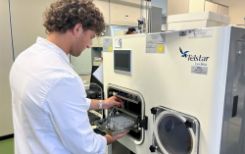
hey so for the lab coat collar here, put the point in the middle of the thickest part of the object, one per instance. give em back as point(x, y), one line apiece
point(55, 48)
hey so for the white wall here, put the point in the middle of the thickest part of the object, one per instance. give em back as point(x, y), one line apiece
point(83, 64)
point(27, 22)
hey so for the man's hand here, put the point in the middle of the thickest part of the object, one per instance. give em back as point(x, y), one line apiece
point(113, 138)
point(112, 101)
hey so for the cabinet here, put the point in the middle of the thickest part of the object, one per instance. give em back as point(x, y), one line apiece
point(196, 5)
point(211, 7)
point(103, 6)
point(207, 6)
point(191, 6)
point(221, 9)
point(6, 60)
point(177, 6)
point(125, 12)
point(120, 12)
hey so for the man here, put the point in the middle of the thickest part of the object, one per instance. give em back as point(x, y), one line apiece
point(48, 97)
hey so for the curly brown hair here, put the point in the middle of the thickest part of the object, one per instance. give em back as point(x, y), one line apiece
point(65, 14)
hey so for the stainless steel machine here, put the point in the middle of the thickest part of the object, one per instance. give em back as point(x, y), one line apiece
point(192, 83)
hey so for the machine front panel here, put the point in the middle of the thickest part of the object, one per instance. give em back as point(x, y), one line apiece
point(185, 71)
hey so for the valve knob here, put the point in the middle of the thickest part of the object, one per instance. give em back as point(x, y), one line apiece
point(153, 148)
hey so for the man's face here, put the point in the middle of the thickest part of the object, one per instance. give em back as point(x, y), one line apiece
point(83, 40)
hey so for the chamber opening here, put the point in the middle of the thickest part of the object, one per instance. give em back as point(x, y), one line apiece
point(133, 107)
point(174, 135)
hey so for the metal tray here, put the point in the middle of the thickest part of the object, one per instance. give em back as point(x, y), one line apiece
point(116, 123)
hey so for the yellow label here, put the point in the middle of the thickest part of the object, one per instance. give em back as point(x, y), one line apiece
point(110, 48)
point(160, 48)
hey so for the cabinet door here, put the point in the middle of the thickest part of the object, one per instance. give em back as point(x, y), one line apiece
point(196, 5)
point(217, 8)
point(5, 64)
point(224, 10)
point(103, 5)
point(177, 6)
point(124, 12)
point(211, 7)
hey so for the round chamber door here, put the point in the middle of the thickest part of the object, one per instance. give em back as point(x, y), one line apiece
point(173, 135)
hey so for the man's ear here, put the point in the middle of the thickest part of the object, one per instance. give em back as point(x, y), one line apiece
point(77, 29)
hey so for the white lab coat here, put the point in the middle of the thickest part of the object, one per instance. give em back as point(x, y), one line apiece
point(50, 105)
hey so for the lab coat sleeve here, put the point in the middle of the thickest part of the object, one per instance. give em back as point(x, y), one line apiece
point(68, 112)
point(88, 101)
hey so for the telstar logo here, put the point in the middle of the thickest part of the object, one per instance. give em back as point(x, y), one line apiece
point(183, 54)
point(190, 57)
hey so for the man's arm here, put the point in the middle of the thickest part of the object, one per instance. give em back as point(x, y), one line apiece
point(105, 104)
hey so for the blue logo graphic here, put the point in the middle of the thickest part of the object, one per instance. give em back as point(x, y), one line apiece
point(191, 57)
point(183, 53)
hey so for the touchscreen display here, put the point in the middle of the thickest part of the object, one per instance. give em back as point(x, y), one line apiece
point(122, 60)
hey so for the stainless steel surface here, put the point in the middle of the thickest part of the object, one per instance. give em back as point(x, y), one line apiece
point(117, 123)
point(118, 148)
point(233, 134)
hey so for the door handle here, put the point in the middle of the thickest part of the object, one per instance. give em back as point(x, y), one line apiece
point(234, 106)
